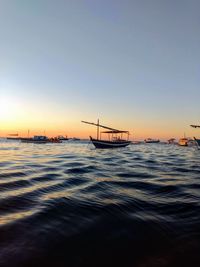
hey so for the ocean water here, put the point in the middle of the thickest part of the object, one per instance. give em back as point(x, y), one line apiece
point(70, 205)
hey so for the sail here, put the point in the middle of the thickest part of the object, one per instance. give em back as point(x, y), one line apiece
point(103, 126)
point(195, 126)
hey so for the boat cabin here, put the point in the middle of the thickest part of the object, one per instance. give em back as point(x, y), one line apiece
point(115, 135)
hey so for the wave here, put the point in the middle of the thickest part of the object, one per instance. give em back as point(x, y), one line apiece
point(69, 205)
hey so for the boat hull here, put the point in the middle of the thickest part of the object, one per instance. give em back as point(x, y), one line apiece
point(34, 141)
point(24, 140)
point(13, 138)
point(152, 141)
point(109, 144)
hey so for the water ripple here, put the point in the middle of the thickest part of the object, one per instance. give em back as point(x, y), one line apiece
point(71, 205)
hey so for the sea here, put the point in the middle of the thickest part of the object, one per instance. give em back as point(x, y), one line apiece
point(71, 205)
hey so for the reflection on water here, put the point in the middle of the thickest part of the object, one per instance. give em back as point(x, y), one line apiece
point(71, 205)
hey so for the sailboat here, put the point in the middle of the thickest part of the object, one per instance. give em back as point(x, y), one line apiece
point(115, 137)
point(196, 139)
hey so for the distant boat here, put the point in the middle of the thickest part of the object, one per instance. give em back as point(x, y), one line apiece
point(63, 138)
point(54, 140)
point(39, 139)
point(150, 140)
point(115, 137)
point(171, 141)
point(13, 137)
point(197, 140)
point(183, 141)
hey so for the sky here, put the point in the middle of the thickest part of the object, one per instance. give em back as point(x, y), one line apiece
point(134, 64)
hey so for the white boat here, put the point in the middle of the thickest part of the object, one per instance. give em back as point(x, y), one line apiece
point(183, 141)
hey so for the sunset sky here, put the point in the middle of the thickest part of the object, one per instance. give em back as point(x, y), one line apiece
point(134, 64)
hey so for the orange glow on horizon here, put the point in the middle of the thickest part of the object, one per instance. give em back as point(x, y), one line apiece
point(82, 131)
point(21, 118)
